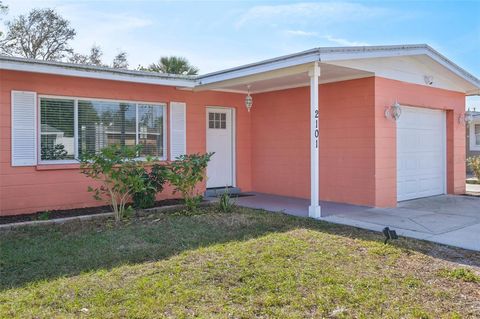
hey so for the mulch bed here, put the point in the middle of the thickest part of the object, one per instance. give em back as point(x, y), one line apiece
point(62, 213)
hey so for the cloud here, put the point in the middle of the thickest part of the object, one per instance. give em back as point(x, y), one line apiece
point(113, 31)
point(344, 42)
point(103, 21)
point(329, 38)
point(300, 33)
point(322, 12)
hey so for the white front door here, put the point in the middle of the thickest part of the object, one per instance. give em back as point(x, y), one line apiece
point(421, 153)
point(220, 141)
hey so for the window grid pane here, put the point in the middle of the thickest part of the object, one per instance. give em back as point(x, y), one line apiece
point(100, 124)
point(57, 140)
point(104, 123)
point(477, 134)
point(217, 120)
point(150, 124)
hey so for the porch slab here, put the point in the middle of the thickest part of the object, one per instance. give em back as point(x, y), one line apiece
point(447, 219)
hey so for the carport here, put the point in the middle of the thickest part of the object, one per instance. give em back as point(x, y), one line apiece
point(370, 126)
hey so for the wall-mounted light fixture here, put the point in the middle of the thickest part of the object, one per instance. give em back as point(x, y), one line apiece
point(393, 112)
point(248, 99)
point(465, 118)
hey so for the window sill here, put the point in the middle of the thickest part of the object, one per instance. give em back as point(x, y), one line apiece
point(72, 166)
point(56, 166)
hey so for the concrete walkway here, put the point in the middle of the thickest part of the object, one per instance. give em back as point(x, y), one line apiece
point(447, 219)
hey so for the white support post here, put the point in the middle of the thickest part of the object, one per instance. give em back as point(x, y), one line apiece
point(314, 210)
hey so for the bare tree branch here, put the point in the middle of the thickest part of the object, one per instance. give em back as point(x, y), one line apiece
point(43, 34)
point(120, 61)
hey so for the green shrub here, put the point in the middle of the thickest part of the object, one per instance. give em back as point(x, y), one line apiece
point(119, 174)
point(185, 173)
point(153, 182)
point(44, 215)
point(474, 164)
point(225, 202)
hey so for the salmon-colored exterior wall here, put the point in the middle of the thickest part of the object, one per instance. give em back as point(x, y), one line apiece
point(48, 187)
point(281, 142)
point(357, 142)
point(386, 92)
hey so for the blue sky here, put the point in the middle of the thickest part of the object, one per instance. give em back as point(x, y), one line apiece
point(216, 35)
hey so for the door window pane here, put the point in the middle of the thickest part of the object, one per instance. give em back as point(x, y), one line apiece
point(217, 120)
point(57, 140)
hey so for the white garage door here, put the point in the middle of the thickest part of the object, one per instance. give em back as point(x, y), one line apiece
point(421, 153)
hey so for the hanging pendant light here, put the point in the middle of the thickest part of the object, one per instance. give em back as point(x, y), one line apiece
point(248, 99)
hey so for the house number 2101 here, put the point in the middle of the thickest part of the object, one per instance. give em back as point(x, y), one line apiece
point(316, 133)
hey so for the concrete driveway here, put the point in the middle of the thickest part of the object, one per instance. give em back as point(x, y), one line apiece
point(447, 219)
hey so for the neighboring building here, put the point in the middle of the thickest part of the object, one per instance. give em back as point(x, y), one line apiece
point(323, 124)
point(473, 136)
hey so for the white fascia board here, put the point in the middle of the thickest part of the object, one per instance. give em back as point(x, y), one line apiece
point(126, 76)
point(336, 54)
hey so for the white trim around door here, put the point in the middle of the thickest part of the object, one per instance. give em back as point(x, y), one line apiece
point(221, 138)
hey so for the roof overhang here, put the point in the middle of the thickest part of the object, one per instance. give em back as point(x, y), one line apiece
point(94, 72)
point(410, 63)
point(352, 58)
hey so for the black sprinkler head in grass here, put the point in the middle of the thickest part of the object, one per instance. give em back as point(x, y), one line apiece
point(389, 234)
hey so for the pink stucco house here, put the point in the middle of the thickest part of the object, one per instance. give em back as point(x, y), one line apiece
point(361, 125)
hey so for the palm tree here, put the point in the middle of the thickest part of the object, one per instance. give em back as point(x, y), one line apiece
point(172, 65)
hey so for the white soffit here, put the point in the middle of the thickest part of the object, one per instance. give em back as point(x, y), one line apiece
point(329, 73)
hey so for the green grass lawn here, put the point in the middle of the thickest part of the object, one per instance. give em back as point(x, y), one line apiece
point(240, 265)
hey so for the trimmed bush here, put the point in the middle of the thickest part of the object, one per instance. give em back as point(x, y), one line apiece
point(153, 182)
point(474, 164)
point(119, 174)
point(185, 173)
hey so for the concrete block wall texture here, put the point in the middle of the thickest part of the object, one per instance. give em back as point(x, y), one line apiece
point(386, 92)
point(357, 142)
point(49, 187)
point(281, 145)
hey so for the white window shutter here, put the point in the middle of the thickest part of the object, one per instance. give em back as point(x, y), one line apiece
point(178, 129)
point(24, 128)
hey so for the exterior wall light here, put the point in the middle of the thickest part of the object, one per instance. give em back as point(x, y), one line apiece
point(465, 118)
point(248, 100)
point(393, 112)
